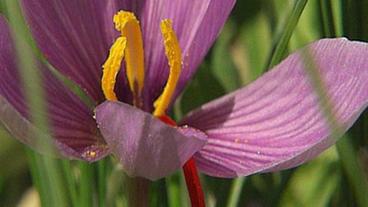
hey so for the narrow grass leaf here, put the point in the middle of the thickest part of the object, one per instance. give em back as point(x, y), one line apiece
point(282, 39)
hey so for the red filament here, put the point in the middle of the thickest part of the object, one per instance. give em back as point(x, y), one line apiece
point(193, 184)
point(191, 175)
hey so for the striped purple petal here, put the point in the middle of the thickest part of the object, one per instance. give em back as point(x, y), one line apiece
point(72, 123)
point(74, 36)
point(276, 122)
point(197, 24)
point(144, 145)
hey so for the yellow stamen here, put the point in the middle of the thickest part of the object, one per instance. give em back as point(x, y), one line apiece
point(112, 67)
point(128, 25)
point(173, 54)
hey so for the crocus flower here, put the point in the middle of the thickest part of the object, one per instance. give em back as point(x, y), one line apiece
point(274, 123)
point(75, 38)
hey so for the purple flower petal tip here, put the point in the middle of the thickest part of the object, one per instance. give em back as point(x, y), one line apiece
point(95, 152)
point(145, 146)
point(27, 133)
point(71, 125)
point(277, 121)
point(192, 132)
point(90, 153)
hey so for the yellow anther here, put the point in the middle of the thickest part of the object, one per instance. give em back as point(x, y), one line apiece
point(173, 54)
point(112, 67)
point(128, 25)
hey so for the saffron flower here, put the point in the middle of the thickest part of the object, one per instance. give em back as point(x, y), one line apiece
point(274, 123)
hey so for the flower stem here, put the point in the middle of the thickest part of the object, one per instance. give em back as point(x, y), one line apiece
point(138, 193)
point(191, 175)
point(193, 184)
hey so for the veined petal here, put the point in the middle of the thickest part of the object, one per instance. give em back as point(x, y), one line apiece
point(197, 24)
point(144, 145)
point(72, 123)
point(75, 37)
point(276, 122)
point(76, 45)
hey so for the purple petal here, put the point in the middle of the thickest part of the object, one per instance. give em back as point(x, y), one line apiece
point(276, 122)
point(197, 24)
point(75, 37)
point(72, 123)
point(144, 145)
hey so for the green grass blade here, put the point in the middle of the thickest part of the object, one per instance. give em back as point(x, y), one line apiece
point(346, 152)
point(173, 190)
point(235, 192)
point(327, 18)
point(314, 183)
point(46, 170)
point(353, 170)
point(71, 182)
point(222, 66)
point(86, 185)
point(102, 174)
point(345, 149)
point(282, 39)
point(114, 188)
point(37, 175)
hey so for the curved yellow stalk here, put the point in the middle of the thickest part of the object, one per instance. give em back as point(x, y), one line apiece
point(173, 54)
point(112, 67)
point(128, 25)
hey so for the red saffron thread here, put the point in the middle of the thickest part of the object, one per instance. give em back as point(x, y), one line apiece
point(191, 175)
point(193, 184)
point(167, 120)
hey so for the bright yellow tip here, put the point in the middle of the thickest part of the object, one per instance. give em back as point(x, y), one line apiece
point(112, 67)
point(128, 25)
point(173, 54)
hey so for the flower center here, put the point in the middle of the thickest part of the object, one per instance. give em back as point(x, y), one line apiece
point(129, 46)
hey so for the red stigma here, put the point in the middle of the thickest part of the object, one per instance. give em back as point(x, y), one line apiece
point(191, 175)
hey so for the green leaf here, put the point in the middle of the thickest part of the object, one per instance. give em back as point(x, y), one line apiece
point(282, 38)
point(203, 88)
point(222, 66)
point(313, 184)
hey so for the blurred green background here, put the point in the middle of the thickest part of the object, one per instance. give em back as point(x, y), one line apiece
point(258, 35)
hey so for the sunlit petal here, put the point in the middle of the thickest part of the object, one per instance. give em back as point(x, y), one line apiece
point(276, 122)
